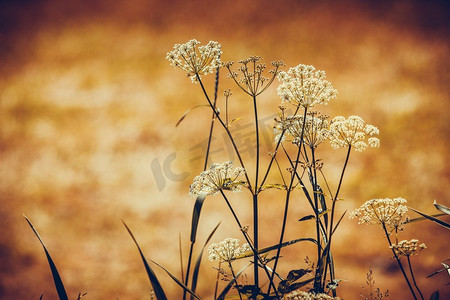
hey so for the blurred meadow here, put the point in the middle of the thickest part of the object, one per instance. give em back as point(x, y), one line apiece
point(88, 107)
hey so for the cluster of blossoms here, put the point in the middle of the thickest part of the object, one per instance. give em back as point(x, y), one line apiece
point(194, 59)
point(301, 295)
point(305, 86)
point(315, 129)
point(218, 177)
point(352, 132)
point(252, 81)
point(386, 212)
point(408, 248)
point(227, 250)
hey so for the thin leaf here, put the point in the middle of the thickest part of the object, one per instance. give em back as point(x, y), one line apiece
point(196, 215)
point(435, 295)
point(188, 111)
point(277, 186)
point(235, 120)
point(440, 222)
point(446, 268)
point(41, 297)
point(177, 281)
point(323, 203)
point(199, 259)
point(181, 257)
point(232, 281)
point(308, 217)
point(157, 288)
point(56, 278)
point(275, 247)
point(338, 222)
point(423, 218)
point(442, 208)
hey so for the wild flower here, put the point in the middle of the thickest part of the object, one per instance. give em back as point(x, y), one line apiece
point(301, 295)
point(352, 132)
point(194, 59)
point(305, 86)
point(408, 248)
point(253, 82)
point(227, 250)
point(218, 177)
point(315, 129)
point(390, 213)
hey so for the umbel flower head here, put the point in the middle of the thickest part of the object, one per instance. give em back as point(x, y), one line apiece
point(352, 132)
point(315, 129)
point(194, 59)
point(301, 295)
point(218, 177)
point(390, 213)
point(253, 82)
point(305, 86)
point(227, 250)
point(408, 248)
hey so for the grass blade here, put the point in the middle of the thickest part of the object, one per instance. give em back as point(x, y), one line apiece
point(440, 222)
point(177, 281)
point(423, 218)
point(230, 284)
point(181, 257)
point(196, 215)
point(188, 111)
point(199, 259)
point(442, 208)
point(157, 288)
point(56, 278)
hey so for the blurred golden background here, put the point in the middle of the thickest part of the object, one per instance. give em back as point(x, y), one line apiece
point(88, 107)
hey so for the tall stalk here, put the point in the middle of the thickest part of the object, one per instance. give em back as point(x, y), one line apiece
point(413, 278)
point(286, 207)
point(255, 197)
point(399, 262)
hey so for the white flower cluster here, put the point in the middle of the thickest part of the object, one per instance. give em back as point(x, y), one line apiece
point(305, 86)
point(352, 132)
point(227, 250)
point(315, 131)
point(407, 248)
point(388, 212)
point(301, 295)
point(218, 177)
point(194, 59)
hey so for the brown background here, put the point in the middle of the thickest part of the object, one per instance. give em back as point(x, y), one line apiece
point(88, 103)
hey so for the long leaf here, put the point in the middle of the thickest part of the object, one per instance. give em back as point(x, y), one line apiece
point(274, 247)
point(56, 278)
point(177, 281)
point(199, 259)
point(440, 222)
point(157, 288)
point(230, 284)
point(196, 215)
point(187, 112)
point(442, 208)
point(423, 218)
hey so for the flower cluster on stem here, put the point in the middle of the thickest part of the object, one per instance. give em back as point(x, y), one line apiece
point(195, 59)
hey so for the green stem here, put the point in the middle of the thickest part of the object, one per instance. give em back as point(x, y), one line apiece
point(399, 262)
point(255, 197)
point(286, 206)
point(412, 276)
point(226, 130)
point(248, 241)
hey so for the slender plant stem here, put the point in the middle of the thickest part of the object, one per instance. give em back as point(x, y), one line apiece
point(275, 152)
point(412, 276)
point(234, 277)
point(249, 241)
point(217, 281)
point(213, 118)
point(286, 206)
point(399, 262)
point(255, 198)
point(333, 208)
point(188, 269)
point(226, 130)
point(318, 278)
